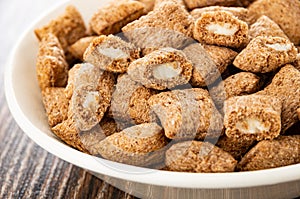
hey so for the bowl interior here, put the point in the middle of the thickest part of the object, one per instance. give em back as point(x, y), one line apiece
point(24, 100)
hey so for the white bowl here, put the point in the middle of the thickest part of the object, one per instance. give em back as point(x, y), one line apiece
point(24, 100)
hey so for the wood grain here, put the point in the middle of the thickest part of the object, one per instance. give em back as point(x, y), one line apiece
point(26, 170)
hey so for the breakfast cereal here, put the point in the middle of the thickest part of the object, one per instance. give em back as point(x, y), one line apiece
point(285, 13)
point(129, 101)
point(265, 54)
point(68, 28)
point(140, 145)
point(240, 12)
point(197, 156)
point(188, 113)
point(169, 25)
point(144, 85)
point(252, 117)
point(285, 86)
point(51, 66)
point(111, 53)
point(209, 62)
point(56, 105)
point(78, 48)
point(111, 18)
point(161, 69)
point(264, 26)
point(283, 151)
point(242, 83)
point(221, 28)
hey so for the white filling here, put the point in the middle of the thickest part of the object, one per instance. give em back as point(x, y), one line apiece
point(251, 126)
point(91, 100)
point(224, 29)
point(113, 53)
point(280, 47)
point(166, 71)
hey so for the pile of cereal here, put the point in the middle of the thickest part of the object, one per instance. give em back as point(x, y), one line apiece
point(178, 85)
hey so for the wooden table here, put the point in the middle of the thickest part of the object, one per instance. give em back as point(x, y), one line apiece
point(26, 170)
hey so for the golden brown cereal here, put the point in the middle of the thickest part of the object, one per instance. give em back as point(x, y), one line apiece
point(298, 111)
point(169, 25)
point(148, 5)
point(236, 147)
point(221, 28)
point(264, 26)
point(91, 98)
point(252, 117)
point(285, 13)
point(111, 53)
point(69, 133)
point(239, 12)
point(91, 139)
point(286, 87)
point(266, 54)
point(161, 69)
point(111, 18)
point(158, 2)
point(68, 28)
point(191, 4)
point(129, 101)
point(140, 145)
point(283, 151)
point(78, 48)
point(56, 105)
point(209, 62)
point(51, 66)
point(296, 63)
point(187, 113)
point(242, 83)
point(199, 157)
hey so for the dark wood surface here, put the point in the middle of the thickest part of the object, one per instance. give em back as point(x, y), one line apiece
point(26, 170)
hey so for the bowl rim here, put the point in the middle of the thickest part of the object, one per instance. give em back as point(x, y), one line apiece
point(145, 176)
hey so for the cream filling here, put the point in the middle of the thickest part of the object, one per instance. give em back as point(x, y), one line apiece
point(251, 126)
point(166, 71)
point(91, 100)
point(226, 29)
point(113, 53)
point(280, 47)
